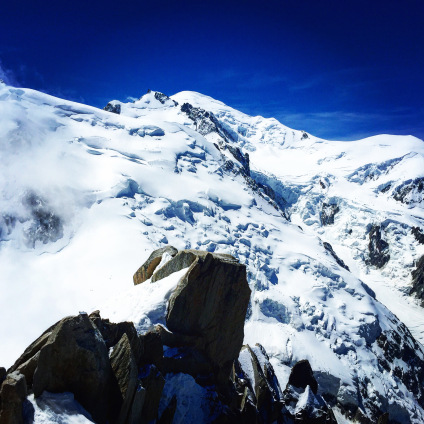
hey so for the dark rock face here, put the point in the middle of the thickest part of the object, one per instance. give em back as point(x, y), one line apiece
point(378, 248)
point(114, 108)
point(303, 406)
point(206, 123)
point(301, 376)
point(330, 250)
point(75, 358)
point(148, 268)
point(242, 158)
point(2, 374)
point(418, 280)
point(12, 395)
point(410, 191)
point(210, 301)
point(163, 98)
point(261, 388)
point(125, 368)
point(418, 234)
point(327, 213)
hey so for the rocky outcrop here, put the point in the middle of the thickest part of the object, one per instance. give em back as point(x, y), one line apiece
point(210, 302)
point(328, 212)
point(113, 107)
point(255, 380)
point(302, 403)
point(418, 234)
point(206, 123)
point(330, 250)
point(163, 98)
point(75, 358)
point(410, 191)
point(378, 248)
point(148, 268)
point(418, 280)
point(12, 395)
point(301, 375)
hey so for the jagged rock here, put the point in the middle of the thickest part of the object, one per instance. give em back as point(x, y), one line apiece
point(378, 248)
point(418, 280)
point(304, 406)
point(125, 368)
point(147, 269)
point(75, 358)
point(418, 234)
point(112, 333)
point(12, 394)
point(113, 107)
point(152, 347)
point(210, 301)
point(301, 375)
point(263, 389)
point(206, 123)
point(411, 191)
point(301, 400)
point(330, 250)
point(153, 381)
point(163, 98)
point(183, 260)
point(242, 158)
point(327, 213)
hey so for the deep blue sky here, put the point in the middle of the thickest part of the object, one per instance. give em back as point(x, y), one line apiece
point(338, 69)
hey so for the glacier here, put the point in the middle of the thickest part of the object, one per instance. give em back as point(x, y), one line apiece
point(87, 194)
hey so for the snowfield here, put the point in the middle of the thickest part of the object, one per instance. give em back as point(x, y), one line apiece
point(87, 194)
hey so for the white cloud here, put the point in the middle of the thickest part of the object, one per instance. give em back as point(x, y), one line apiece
point(7, 75)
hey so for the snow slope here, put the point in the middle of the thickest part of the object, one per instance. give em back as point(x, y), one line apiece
point(87, 194)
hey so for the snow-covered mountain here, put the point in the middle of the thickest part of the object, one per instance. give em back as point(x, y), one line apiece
point(325, 229)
